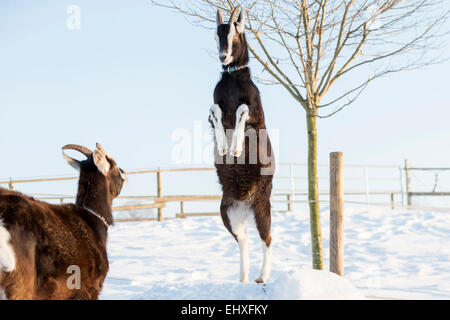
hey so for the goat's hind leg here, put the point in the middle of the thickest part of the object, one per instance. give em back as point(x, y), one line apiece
point(263, 224)
point(235, 223)
point(215, 117)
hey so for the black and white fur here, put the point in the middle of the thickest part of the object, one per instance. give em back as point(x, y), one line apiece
point(237, 108)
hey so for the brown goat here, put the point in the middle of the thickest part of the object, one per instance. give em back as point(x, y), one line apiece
point(59, 251)
point(245, 170)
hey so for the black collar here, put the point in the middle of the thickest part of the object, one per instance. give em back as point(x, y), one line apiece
point(98, 216)
point(233, 69)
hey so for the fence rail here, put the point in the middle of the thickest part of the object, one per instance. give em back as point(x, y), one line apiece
point(286, 197)
point(408, 182)
point(289, 195)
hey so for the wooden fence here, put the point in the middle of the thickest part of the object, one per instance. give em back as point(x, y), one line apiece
point(408, 182)
point(286, 198)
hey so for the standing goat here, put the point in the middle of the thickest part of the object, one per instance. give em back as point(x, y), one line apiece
point(246, 177)
point(42, 244)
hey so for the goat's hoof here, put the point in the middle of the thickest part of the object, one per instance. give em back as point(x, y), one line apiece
point(223, 152)
point(243, 281)
point(259, 280)
point(236, 153)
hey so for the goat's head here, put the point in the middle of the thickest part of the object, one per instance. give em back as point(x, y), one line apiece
point(100, 165)
point(230, 36)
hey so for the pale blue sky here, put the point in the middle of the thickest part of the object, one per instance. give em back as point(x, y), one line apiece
point(134, 73)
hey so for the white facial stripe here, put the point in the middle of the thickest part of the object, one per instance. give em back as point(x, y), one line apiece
point(230, 40)
point(229, 52)
point(7, 256)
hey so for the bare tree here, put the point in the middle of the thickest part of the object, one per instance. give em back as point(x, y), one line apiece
point(307, 45)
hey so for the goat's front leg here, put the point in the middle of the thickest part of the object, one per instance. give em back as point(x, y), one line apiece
point(215, 116)
point(237, 143)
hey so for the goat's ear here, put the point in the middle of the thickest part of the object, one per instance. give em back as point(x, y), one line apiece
point(100, 148)
point(101, 162)
point(73, 162)
point(219, 17)
point(240, 24)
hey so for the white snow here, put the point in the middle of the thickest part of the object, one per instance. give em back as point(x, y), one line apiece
point(394, 254)
point(313, 284)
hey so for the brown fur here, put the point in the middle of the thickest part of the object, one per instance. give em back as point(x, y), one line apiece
point(241, 180)
point(48, 238)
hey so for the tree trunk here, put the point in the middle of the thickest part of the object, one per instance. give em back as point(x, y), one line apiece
point(313, 191)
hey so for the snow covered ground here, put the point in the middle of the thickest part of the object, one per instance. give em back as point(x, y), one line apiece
point(397, 254)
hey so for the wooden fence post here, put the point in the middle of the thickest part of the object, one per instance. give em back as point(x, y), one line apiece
point(402, 190)
point(366, 178)
point(392, 201)
point(292, 197)
point(337, 213)
point(289, 203)
point(182, 215)
point(11, 185)
point(159, 192)
point(408, 182)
